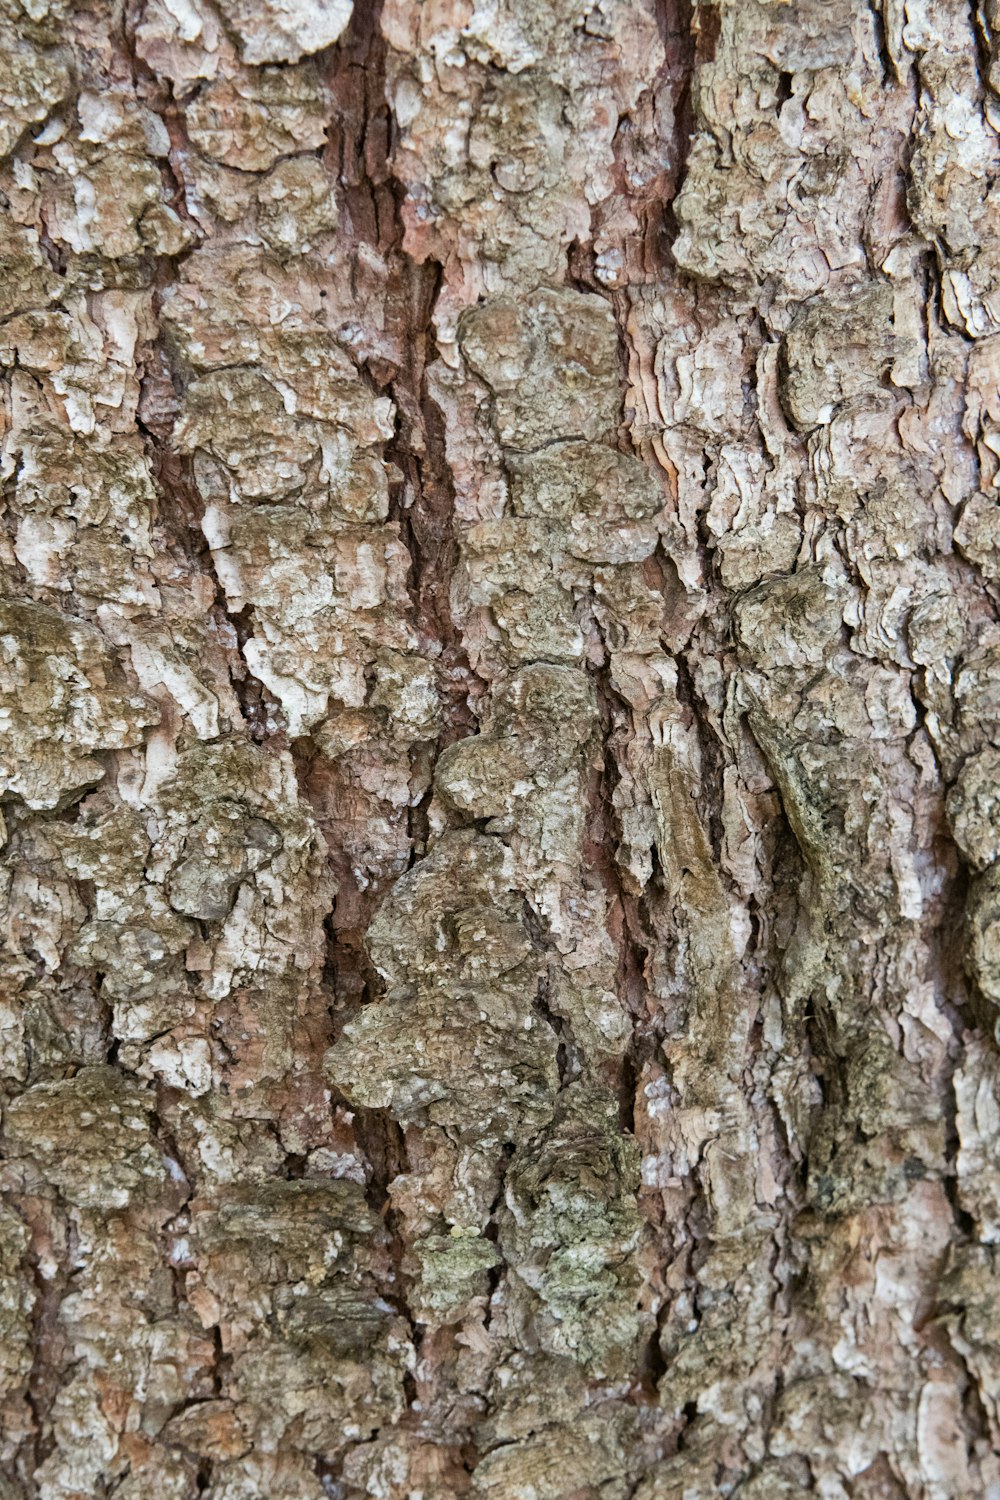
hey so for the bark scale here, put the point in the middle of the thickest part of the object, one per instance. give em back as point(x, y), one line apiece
point(500, 686)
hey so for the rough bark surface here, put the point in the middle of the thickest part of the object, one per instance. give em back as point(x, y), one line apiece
point(500, 749)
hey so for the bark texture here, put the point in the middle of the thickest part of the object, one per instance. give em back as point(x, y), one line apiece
point(500, 749)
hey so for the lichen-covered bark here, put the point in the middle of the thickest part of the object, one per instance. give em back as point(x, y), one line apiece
point(500, 749)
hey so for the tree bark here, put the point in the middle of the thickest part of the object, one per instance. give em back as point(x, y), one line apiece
point(500, 745)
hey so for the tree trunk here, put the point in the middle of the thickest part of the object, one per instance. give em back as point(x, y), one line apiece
point(500, 682)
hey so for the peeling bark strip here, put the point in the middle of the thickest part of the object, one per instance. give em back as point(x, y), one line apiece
point(500, 706)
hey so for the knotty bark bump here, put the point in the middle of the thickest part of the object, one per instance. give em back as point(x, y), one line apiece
point(499, 736)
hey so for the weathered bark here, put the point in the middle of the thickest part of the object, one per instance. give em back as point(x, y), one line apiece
point(500, 706)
